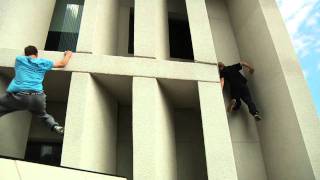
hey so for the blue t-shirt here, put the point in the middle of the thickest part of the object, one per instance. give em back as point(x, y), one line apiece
point(29, 74)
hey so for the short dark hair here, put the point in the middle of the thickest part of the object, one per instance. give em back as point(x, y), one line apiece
point(220, 65)
point(30, 50)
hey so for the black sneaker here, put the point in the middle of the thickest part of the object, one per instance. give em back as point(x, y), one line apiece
point(257, 117)
point(58, 129)
point(231, 105)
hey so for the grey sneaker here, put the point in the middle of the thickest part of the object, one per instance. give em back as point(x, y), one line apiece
point(257, 117)
point(231, 105)
point(58, 129)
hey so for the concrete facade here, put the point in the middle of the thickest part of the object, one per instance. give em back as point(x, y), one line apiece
point(145, 116)
point(18, 170)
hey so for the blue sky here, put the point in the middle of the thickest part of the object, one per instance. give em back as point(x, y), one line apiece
point(302, 18)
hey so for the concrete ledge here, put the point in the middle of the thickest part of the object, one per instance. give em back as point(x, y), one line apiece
point(18, 170)
point(127, 66)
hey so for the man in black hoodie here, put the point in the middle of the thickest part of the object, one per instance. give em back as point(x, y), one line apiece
point(238, 86)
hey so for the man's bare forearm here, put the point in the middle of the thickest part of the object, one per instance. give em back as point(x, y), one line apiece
point(62, 63)
point(222, 82)
point(247, 65)
point(66, 59)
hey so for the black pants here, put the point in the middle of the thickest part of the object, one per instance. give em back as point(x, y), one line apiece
point(242, 92)
point(36, 104)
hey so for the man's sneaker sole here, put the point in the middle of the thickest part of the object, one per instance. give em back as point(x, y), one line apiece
point(59, 130)
point(257, 117)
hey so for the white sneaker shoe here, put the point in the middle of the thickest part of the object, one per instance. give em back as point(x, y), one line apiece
point(257, 117)
point(58, 129)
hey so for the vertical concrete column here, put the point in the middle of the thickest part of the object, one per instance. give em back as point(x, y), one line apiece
point(153, 132)
point(151, 37)
point(90, 138)
point(14, 129)
point(99, 27)
point(217, 140)
point(290, 130)
point(25, 23)
point(202, 42)
point(243, 129)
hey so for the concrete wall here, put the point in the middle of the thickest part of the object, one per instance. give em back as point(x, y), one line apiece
point(151, 37)
point(218, 146)
point(17, 31)
point(123, 34)
point(244, 135)
point(19, 170)
point(14, 128)
point(124, 145)
point(90, 139)
point(290, 131)
point(154, 149)
point(99, 27)
point(203, 47)
point(190, 149)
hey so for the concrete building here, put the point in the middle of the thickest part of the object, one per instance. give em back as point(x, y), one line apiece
point(141, 100)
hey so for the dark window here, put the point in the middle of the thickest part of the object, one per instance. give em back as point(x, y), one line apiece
point(44, 153)
point(65, 25)
point(180, 38)
point(131, 32)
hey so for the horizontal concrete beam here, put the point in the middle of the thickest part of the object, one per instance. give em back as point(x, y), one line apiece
point(18, 170)
point(127, 66)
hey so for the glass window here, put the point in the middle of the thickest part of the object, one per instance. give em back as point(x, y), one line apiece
point(65, 25)
point(44, 153)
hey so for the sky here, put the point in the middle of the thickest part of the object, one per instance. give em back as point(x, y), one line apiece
point(302, 18)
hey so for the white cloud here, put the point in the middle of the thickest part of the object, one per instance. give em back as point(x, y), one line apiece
point(295, 21)
point(312, 22)
point(295, 14)
point(301, 42)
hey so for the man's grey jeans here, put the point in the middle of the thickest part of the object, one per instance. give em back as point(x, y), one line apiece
point(36, 104)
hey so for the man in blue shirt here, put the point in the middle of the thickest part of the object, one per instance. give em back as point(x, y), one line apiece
point(25, 92)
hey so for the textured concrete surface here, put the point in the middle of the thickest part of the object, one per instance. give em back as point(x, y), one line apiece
point(17, 31)
point(151, 29)
point(191, 159)
point(299, 92)
point(9, 171)
point(203, 47)
point(98, 30)
point(243, 130)
point(19, 170)
point(217, 140)
point(14, 128)
point(154, 149)
point(91, 127)
point(180, 129)
point(290, 130)
point(129, 66)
